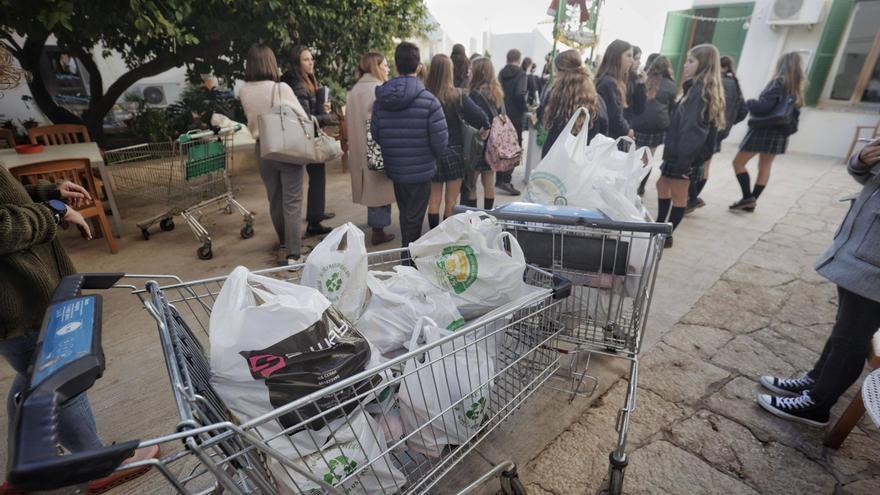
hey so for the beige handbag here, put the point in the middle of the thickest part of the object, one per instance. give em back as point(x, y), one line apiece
point(290, 137)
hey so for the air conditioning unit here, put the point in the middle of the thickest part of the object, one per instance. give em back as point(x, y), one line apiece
point(795, 12)
point(157, 94)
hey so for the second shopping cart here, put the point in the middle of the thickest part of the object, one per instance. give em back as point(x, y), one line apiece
point(185, 177)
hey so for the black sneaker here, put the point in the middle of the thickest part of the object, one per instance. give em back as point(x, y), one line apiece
point(788, 386)
point(747, 204)
point(801, 409)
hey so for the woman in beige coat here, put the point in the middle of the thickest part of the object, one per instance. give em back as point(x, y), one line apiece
point(371, 189)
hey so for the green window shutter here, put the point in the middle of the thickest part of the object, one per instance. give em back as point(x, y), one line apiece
point(835, 24)
point(675, 39)
point(729, 37)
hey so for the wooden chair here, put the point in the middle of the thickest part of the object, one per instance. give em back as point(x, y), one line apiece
point(862, 131)
point(78, 171)
point(856, 409)
point(51, 135)
point(7, 139)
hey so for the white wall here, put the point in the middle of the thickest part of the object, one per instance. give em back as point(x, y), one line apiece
point(533, 45)
point(12, 106)
point(824, 130)
point(640, 22)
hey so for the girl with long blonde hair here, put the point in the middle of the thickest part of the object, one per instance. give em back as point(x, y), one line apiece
point(486, 92)
point(572, 89)
point(765, 140)
point(690, 138)
point(457, 106)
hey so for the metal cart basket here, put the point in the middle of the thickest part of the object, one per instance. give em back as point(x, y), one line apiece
point(510, 353)
point(186, 176)
point(612, 267)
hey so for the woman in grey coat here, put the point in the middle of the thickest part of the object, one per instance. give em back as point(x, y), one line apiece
point(853, 263)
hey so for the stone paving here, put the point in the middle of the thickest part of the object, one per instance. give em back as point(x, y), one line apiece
point(697, 428)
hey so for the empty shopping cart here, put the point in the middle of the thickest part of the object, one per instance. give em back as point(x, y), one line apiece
point(185, 177)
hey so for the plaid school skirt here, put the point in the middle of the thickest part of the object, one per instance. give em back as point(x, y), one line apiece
point(770, 141)
point(450, 166)
point(650, 139)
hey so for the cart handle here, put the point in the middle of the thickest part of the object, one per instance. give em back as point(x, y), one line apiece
point(67, 362)
point(595, 223)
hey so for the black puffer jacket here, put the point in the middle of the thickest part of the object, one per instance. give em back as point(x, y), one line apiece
point(306, 98)
point(690, 138)
point(658, 110)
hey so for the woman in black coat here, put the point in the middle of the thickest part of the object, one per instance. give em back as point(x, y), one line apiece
point(305, 86)
point(650, 125)
point(767, 142)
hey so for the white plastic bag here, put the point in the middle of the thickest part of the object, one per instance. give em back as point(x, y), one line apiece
point(347, 446)
point(397, 300)
point(338, 268)
point(596, 175)
point(465, 255)
point(447, 376)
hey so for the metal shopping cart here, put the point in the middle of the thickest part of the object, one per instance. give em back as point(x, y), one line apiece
point(186, 176)
point(284, 450)
point(612, 267)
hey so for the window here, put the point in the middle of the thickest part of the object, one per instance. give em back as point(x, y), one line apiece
point(857, 79)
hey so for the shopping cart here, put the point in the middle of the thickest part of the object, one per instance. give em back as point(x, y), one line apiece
point(212, 452)
point(612, 267)
point(185, 176)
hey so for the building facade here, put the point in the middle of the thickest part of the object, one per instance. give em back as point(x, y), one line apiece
point(839, 41)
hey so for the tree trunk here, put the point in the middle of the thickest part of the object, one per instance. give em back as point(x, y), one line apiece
point(100, 102)
point(29, 58)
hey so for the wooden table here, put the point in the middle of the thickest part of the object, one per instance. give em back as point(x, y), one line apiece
point(10, 159)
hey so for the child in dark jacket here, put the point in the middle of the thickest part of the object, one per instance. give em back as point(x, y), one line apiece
point(764, 140)
point(409, 126)
point(735, 111)
point(458, 107)
point(650, 125)
point(613, 75)
point(691, 136)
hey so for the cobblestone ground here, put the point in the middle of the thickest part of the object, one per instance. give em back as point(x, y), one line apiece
point(697, 428)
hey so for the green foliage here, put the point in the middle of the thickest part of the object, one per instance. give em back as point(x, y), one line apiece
point(209, 36)
point(151, 124)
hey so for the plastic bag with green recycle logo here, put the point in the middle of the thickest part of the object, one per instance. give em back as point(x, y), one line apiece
point(466, 255)
point(446, 376)
point(340, 450)
point(337, 267)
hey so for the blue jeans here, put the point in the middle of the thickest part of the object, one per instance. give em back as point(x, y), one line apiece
point(379, 217)
point(76, 423)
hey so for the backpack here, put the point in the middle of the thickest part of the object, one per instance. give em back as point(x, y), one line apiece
point(503, 151)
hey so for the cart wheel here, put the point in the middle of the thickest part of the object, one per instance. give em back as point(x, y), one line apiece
point(227, 209)
point(616, 468)
point(511, 484)
point(145, 234)
point(167, 224)
point(615, 482)
point(204, 252)
point(247, 231)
